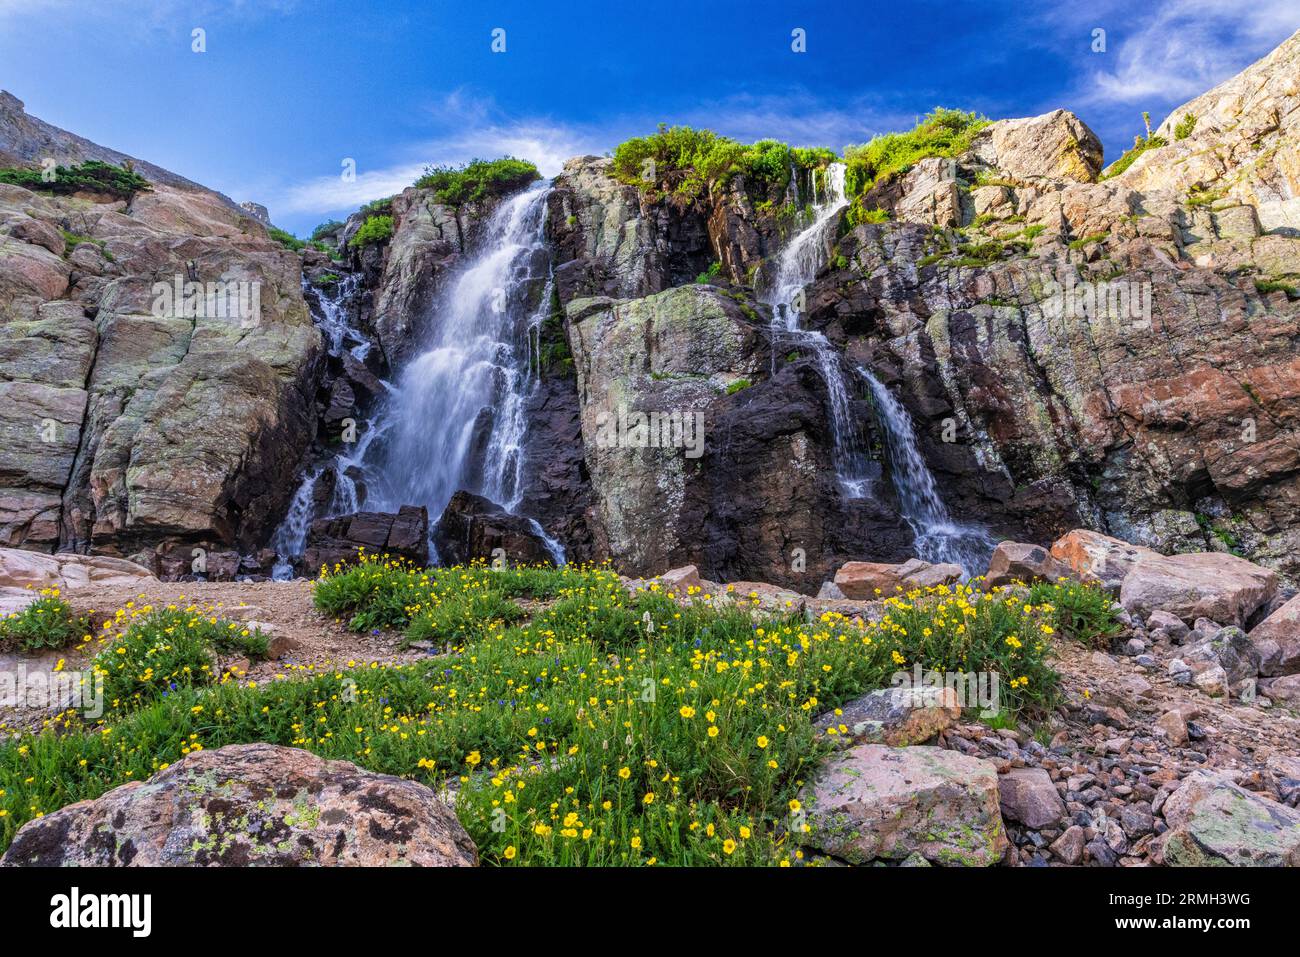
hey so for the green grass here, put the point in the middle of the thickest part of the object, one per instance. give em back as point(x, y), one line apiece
point(160, 650)
point(1265, 286)
point(943, 132)
point(477, 180)
point(92, 176)
point(376, 229)
point(710, 274)
point(1083, 241)
point(46, 623)
point(608, 729)
point(737, 386)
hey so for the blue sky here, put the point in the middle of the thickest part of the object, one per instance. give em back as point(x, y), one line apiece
point(287, 90)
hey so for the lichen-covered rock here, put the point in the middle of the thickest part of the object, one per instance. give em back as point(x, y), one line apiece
point(251, 805)
point(1094, 557)
point(1213, 821)
point(872, 802)
point(129, 419)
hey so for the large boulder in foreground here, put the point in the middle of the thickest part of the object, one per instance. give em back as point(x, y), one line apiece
point(400, 534)
point(864, 581)
point(473, 527)
point(1213, 821)
point(873, 802)
point(1278, 639)
point(251, 805)
point(1223, 588)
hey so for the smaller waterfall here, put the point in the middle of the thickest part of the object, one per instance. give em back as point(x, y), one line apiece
point(330, 313)
point(796, 267)
point(938, 537)
point(332, 319)
point(291, 537)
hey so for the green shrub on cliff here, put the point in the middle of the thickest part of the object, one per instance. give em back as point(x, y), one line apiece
point(91, 176)
point(943, 132)
point(376, 229)
point(477, 180)
point(687, 161)
point(286, 239)
point(1140, 145)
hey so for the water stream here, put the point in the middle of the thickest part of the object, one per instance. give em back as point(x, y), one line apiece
point(938, 538)
point(796, 267)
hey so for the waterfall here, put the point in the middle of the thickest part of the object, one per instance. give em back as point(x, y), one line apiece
point(796, 267)
point(456, 416)
point(938, 538)
point(470, 383)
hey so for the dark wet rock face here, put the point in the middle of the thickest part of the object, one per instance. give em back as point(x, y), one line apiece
point(472, 527)
point(401, 534)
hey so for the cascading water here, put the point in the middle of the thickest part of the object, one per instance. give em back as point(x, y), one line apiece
point(456, 417)
point(472, 378)
point(796, 267)
point(331, 316)
point(938, 537)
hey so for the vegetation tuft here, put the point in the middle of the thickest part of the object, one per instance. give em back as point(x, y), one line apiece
point(92, 176)
point(477, 180)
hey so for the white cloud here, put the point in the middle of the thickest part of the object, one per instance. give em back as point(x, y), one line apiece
point(1181, 48)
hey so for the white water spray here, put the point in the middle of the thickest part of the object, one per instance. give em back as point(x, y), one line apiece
point(938, 538)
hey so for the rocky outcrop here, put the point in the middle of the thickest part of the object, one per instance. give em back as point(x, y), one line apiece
point(698, 454)
point(1240, 147)
point(129, 418)
point(253, 805)
point(402, 534)
point(20, 568)
point(473, 528)
point(1099, 352)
